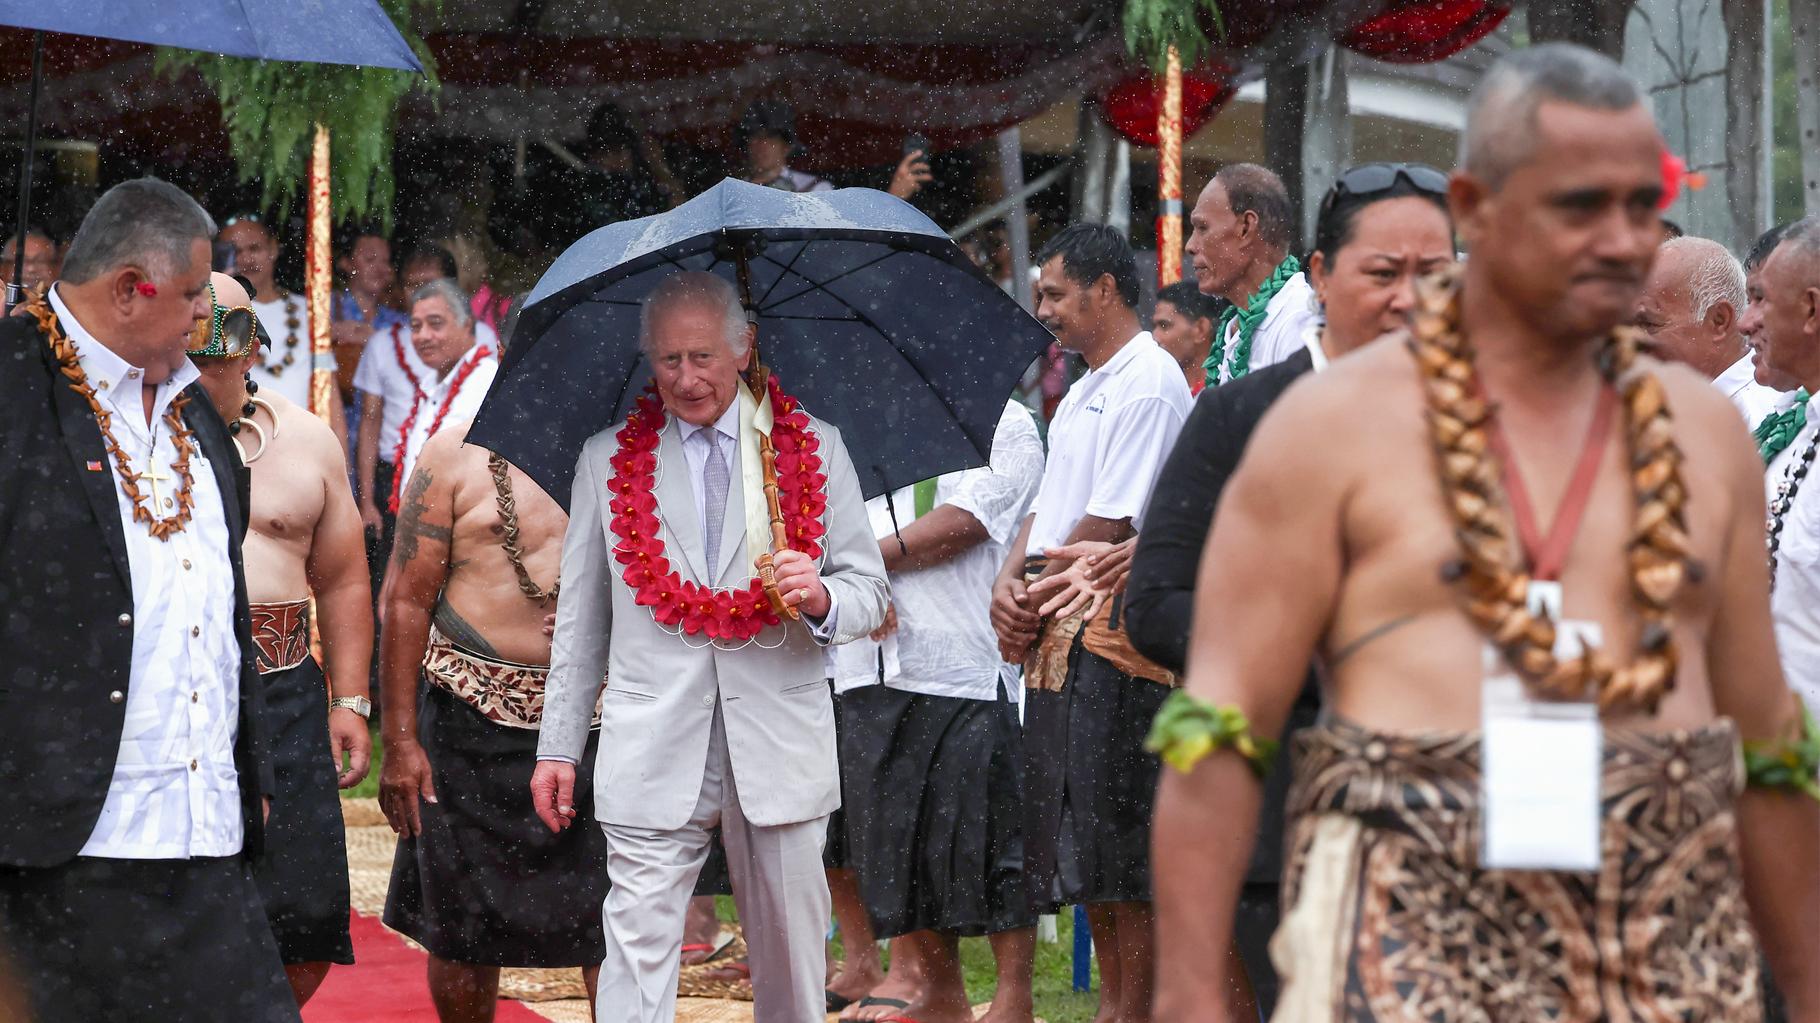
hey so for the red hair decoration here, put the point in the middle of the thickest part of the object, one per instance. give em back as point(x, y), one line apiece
point(147, 288)
point(1674, 176)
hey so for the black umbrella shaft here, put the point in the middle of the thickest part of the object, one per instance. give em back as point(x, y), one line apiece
point(15, 292)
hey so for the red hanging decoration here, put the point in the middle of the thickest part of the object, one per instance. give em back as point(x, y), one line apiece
point(1132, 104)
point(1423, 31)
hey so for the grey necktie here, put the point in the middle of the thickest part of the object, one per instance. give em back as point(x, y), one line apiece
point(714, 495)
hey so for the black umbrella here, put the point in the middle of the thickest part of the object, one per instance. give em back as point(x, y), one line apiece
point(317, 32)
point(867, 312)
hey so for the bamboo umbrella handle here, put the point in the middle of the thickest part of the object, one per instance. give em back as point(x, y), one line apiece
point(780, 540)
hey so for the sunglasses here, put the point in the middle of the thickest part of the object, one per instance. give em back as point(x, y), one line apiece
point(227, 334)
point(1371, 178)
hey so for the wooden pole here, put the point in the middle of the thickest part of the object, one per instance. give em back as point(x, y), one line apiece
point(317, 259)
point(1169, 175)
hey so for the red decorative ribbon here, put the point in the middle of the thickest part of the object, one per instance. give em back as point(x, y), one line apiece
point(732, 615)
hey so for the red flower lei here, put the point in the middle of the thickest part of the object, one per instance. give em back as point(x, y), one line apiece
point(733, 615)
point(404, 432)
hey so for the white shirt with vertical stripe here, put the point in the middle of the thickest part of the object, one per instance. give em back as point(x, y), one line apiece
point(175, 792)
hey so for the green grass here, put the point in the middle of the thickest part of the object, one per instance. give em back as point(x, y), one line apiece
point(1056, 999)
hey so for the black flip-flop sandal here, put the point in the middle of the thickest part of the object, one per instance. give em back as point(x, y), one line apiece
point(869, 1001)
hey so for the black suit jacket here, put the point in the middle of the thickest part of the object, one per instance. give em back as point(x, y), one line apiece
point(1159, 595)
point(66, 607)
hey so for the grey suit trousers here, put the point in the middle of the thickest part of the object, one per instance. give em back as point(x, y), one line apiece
point(778, 885)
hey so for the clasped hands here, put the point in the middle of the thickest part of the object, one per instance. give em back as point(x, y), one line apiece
point(1096, 570)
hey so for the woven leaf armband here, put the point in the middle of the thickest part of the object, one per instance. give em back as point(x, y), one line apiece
point(1187, 729)
point(1790, 763)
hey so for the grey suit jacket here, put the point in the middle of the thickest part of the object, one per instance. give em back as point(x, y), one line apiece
point(662, 688)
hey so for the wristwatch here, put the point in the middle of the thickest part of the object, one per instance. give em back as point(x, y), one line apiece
point(358, 704)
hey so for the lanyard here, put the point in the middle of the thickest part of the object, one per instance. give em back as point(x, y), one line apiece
point(1547, 555)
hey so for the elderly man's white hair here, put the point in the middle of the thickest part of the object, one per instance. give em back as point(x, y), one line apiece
point(446, 289)
point(1714, 275)
point(1501, 114)
point(700, 289)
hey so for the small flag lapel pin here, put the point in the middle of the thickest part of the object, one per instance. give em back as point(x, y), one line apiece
point(94, 467)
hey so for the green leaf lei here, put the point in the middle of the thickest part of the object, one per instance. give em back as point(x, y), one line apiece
point(1250, 319)
point(1779, 429)
point(1187, 729)
point(1787, 763)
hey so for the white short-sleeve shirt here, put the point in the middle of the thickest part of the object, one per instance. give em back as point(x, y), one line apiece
point(284, 365)
point(944, 644)
point(1795, 602)
point(464, 403)
point(1287, 317)
point(394, 382)
point(1111, 434)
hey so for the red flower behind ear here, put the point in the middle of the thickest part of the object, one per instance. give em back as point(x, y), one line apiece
point(147, 288)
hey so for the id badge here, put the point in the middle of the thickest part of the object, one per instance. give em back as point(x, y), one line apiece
point(1540, 769)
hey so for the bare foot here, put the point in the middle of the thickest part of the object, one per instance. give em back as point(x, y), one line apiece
point(954, 1010)
point(901, 992)
point(701, 927)
point(854, 981)
point(1009, 1010)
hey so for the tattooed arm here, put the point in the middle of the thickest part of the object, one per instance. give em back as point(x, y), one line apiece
point(414, 581)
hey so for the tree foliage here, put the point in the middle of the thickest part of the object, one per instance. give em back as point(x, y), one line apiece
point(271, 109)
point(1153, 26)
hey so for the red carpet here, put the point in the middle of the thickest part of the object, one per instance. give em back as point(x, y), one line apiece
point(386, 984)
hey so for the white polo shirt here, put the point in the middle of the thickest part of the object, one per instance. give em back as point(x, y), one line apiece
point(1111, 434)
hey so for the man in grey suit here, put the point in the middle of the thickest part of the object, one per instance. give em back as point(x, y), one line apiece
point(694, 733)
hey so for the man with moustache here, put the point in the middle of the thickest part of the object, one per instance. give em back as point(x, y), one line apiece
point(1088, 780)
point(1243, 229)
point(302, 551)
point(131, 750)
point(1690, 309)
point(1529, 743)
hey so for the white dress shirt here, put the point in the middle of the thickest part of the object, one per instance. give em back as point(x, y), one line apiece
point(1754, 401)
point(1111, 433)
point(382, 375)
point(944, 644)
point(270, 372)
point(1288, 313)
point(463, 405)
point(174, 792)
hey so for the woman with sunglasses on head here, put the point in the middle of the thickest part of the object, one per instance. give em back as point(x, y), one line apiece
point(304, 541)
point(1381, 227)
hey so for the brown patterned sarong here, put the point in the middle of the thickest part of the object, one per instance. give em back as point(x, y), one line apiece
point(504, 692)
point(281, 632)
point(1387, 915)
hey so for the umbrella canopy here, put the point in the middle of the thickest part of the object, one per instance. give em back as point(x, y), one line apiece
point(314, 31)
point(867, 312)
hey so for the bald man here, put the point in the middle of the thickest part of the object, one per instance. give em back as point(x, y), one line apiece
point(1415, 885)
point(303, 554)
point(1691, 308)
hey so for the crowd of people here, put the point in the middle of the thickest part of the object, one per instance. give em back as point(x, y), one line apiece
point(1257, 648)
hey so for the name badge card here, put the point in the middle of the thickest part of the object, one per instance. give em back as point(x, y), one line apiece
point(1540, 769)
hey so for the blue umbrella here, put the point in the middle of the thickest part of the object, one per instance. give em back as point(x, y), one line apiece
point(311, 31)
point(867, 312)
